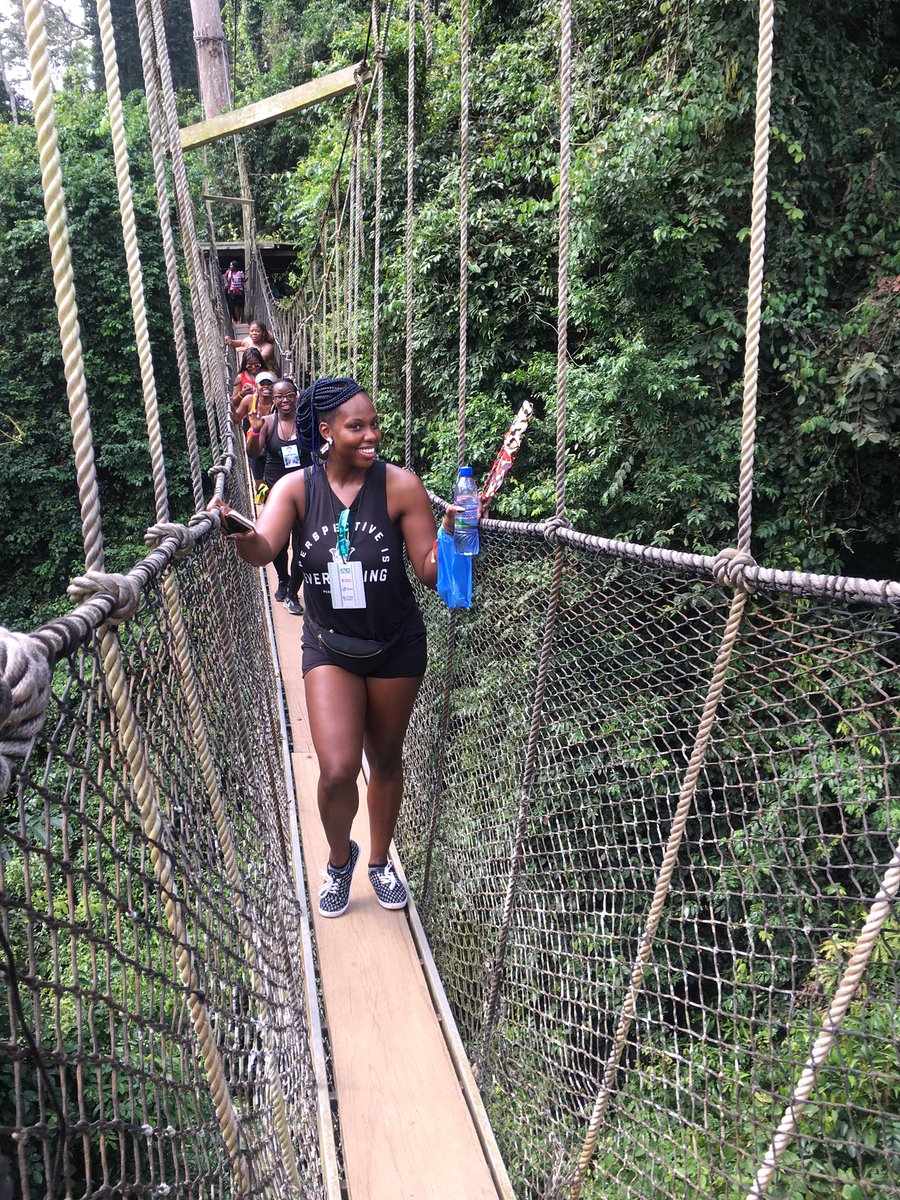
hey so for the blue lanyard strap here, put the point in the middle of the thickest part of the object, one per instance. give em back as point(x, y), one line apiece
point(343, 534)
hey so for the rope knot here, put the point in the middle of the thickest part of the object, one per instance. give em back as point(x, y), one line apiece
point(209, 518)
point(126, 591)
point(164, 529)
point(24, 693)
point(218, 469)
point(553, 525)
point(729, 567)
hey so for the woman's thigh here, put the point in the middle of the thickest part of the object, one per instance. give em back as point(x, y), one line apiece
point(336, 705)
point(388, 709)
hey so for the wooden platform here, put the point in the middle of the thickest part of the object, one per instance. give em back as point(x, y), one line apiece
point(406, 1130)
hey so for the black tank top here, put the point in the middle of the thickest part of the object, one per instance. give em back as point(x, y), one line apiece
point(375, 541)
point(275, 457)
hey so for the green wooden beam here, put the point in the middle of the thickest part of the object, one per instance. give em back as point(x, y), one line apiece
point(280, 105)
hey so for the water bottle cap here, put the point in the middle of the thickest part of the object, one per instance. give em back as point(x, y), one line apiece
point(466, 471)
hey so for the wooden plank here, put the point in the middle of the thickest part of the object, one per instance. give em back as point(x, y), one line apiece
point(405, 1127)
point(229, 199)
point(251, 116)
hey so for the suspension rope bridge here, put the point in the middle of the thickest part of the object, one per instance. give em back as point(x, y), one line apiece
point(628, 770)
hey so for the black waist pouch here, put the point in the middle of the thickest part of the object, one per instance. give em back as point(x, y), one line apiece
point(361, 656)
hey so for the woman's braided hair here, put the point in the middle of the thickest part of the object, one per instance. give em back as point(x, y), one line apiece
point(324, 396)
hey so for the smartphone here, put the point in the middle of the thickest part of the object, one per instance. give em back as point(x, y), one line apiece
point(236, 522)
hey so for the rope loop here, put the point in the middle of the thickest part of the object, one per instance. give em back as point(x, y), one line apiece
point(218, 469)
point(729, 567)
point(127, 592)
point(24, 695)
point(553, 525)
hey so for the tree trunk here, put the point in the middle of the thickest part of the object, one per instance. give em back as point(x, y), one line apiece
point(10, 90)
point(212, 59)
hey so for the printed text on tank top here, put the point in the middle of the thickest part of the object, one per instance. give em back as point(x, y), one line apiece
point(375, 585)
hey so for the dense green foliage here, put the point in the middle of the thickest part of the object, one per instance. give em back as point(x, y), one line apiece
point(41, 550)
point(662, 160)
point(662, 153)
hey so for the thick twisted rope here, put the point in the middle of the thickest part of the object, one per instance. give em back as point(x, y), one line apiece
point(25, 675)
point(379, 173)
point(730, 567)
point(757, 259)
point(201, 744)
point(463, 228)
point(410, 216)
point(184, 661)
point(663, 883)
point(132, 257)
point(549, 632)
point(831, 1022)
point(211, 360)
point(156, 834)
point(562, 283)
point(64, 283)
point(173, 280)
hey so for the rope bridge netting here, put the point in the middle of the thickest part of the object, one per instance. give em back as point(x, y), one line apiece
point(651, 815)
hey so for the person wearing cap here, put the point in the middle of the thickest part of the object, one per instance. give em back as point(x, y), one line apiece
point(363, 647)
point(265, 383)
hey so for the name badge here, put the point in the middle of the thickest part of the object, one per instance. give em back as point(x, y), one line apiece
point(346, 582)
point(290, 455)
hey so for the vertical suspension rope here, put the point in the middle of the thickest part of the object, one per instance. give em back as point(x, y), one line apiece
point(553, 599)
point(755, 282)
point(447, 688)
point(787, 1129)
point(145, 38)
point(725, 562)
point(562, 284)
point(376, 237)
point(211, 367)
point(463, 229)
point(64, 283)
point(132, 257)
point(410, 147)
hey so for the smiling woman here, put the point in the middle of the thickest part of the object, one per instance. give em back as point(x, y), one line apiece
point(363, 645)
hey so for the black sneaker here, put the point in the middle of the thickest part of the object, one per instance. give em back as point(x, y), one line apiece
point(334, 895)
point(389, 891)
point(280, 591)
point(294, 607)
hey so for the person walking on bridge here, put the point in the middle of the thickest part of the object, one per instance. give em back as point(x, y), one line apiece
point(276, 437)
point(363, 646)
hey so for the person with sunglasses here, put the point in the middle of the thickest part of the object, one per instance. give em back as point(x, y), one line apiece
point(363, 648)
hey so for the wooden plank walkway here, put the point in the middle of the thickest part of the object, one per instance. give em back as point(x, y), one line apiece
point(406, 1128)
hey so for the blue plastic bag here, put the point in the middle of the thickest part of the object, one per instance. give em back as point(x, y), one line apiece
point(454, 583)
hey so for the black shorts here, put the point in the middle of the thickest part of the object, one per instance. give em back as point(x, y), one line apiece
point(407, 660)
point(258, 466)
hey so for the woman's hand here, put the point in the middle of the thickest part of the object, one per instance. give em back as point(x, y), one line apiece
point(223, 511)
point(256, 422)
point(448, 521)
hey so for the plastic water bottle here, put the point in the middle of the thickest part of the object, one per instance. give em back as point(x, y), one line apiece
point(465, 494)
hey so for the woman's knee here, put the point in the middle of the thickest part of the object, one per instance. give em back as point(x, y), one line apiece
point(385, 763)
point(337, 777)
